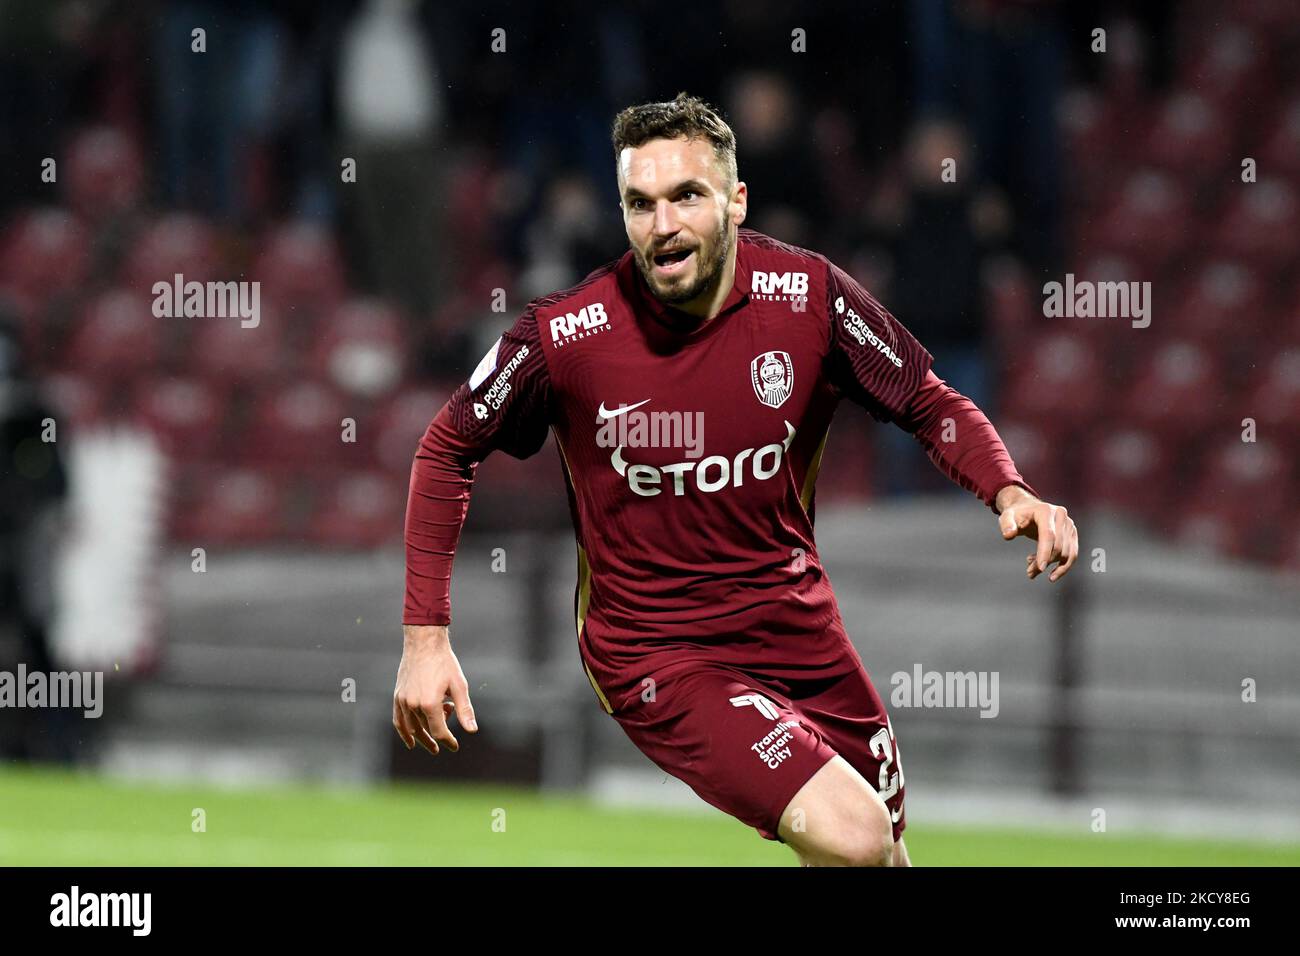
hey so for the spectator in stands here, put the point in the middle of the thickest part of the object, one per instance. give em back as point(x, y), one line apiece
point(242, 127)
point(391, 118)
point(33, 486)
point(943, 229)
point(974, 58)
point(777, 156)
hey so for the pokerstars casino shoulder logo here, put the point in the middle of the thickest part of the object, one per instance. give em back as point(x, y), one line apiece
point(500, 387)
point(857, 327)
point(772, 375)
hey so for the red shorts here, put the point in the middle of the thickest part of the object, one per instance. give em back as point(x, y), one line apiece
point(747, 742)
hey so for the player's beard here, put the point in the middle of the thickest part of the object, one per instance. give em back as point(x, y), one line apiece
point(708, 268)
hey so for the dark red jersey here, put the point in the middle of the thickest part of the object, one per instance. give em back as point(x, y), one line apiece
point(691, 453)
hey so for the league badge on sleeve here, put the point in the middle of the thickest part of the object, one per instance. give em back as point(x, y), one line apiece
point(773, 376)
point(486, 366)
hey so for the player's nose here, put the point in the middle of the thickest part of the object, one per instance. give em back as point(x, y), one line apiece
point(666, 222)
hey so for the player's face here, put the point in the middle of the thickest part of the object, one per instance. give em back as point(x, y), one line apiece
point(680, 216)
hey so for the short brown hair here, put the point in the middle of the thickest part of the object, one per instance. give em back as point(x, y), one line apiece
point(685, 115)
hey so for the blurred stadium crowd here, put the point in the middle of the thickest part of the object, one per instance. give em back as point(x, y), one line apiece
point(480, 170)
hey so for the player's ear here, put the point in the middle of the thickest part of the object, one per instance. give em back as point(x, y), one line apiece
point(739, 202)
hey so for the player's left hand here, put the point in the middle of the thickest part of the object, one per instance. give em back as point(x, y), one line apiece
point(1048, 524)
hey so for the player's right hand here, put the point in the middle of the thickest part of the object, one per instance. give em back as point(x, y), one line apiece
point(428, 674)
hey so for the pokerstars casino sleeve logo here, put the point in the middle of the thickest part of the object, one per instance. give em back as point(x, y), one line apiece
point(500, 387)
point(857, 327)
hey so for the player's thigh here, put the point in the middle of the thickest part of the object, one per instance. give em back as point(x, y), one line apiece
point(838, 819)
point(739, 745)
point(852, 718)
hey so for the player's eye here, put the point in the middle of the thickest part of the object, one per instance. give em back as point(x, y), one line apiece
point(689, 194)
point(638, 203)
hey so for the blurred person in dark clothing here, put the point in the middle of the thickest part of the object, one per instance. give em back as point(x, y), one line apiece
point(948, 219)
point(392, 122)
point(774, 151)
point(33, 487)
point(1001, 65)
point(246, 121)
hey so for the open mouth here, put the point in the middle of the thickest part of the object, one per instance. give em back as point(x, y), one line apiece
point(674, 261)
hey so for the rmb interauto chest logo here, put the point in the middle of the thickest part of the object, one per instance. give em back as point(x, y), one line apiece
point(779, 286)
point(589, 320)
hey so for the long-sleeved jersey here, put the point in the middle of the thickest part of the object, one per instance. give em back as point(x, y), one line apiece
point(691, 454)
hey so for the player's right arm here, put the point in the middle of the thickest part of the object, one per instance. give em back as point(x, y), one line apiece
point(505, 405)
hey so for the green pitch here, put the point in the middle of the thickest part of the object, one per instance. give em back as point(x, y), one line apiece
point(52, 818)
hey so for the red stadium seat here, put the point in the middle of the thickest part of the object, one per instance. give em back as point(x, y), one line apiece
point(299, 266)
point(400, 426)
point(1247, 487)
point(176, 243)
point(185, 414)
point(1227, 64)
point(296, 425)
point(1259, 223)
point(217, 506)
point(1091, 134)
point(1128, 470)
point(104, 174)
point(1209, 530)
point(1109, 337)
point(1060, 379)
point(1188, 134)
point(1035, 448)
point(1275, 401)
point(361, 348)
point(43, 252)
point(1149, 219)
point(118, 337)
point(1223, 299)
point(1251, 479)
point(1287, 323)
point(225, 350)
point(359, 509)
point(1177, 390)
point(1281, 152)
point(1014, 306)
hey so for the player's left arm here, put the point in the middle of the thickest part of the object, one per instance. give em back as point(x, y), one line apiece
point(875, 361)
point(962, 442)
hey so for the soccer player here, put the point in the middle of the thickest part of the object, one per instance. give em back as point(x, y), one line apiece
point(690, 385)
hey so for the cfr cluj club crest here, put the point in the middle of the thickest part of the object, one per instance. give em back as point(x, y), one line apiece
point(773, 376)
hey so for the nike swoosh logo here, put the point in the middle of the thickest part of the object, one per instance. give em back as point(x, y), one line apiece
point(896, 814)
point(606, 413)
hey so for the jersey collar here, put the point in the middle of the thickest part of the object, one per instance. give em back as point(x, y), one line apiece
point(676, 319)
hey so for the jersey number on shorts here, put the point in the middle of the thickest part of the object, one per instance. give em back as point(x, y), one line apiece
point(882, 745)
